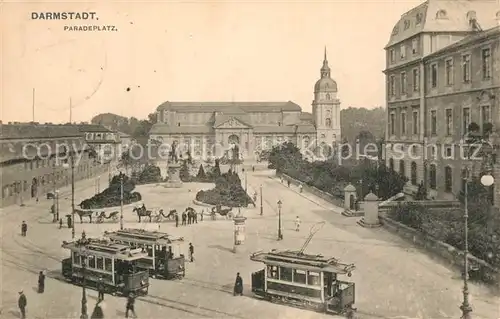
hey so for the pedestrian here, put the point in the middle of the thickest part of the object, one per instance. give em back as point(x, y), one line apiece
point(184, 219)
point(24, 229)
point(288, 182)
point(22, 303)
point(201, 214)
point(69, 221)
point(281, 179)
point(238, 286)
point(253, 168)
point(130, 305)
point(98, 312)
point(176, 216)
point(41, 282)
point(300, 188)
point(191, 252)
point(195, 217)
point(100, 289)
point(60, 223)
point(297, 223)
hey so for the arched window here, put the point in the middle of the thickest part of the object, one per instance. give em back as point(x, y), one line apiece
point(391, 164)
point(402, 168)
point(414, 173)
point(448, 179)
point(328, 122)
point(432, 176)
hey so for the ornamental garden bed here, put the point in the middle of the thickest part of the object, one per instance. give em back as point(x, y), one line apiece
point(111, 196)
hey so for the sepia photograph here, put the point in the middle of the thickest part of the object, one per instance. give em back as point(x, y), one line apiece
point(250, 159)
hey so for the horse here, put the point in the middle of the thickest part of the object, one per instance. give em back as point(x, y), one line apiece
point(158, 217)
point(142, 212)
point(112, 215)
point(224, 212)
point(84, 213)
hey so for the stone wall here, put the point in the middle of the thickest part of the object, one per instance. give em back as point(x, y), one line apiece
point(435, 204)
point(313, 190)
point(482, 270)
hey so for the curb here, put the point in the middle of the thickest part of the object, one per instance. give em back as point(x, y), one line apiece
point(201, 203)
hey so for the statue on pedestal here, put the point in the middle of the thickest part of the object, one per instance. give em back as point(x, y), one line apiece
point(173, 158)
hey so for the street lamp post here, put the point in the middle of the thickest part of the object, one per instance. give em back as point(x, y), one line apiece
point(121, 201)
point(84, 314)
point(261, 207)
point(56, 196)
point(72, 167)
point(280, 234)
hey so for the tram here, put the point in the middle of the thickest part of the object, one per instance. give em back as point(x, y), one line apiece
point(164, 258)
point(305, 281)
point(114, 265)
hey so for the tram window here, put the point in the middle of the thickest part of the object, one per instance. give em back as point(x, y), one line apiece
point(107, 264)
point(286, 274)
point(76, 258)
point(299, 276)
point(313, 278)
point(91, 262)
point(272, 272)
point(100, 263)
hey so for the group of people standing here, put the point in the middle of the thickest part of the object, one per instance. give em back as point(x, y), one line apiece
point(189, 216)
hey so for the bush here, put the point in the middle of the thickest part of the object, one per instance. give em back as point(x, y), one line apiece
point(201, 173)
point(184, 172)
point(227, 192)
point(150, 174)
point(111, 196)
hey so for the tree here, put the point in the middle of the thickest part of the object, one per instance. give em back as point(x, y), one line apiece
point(201, 173)
point(184, 172)
point(216, 169)
point(126, 160)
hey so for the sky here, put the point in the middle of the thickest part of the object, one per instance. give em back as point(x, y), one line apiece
point(189, 51)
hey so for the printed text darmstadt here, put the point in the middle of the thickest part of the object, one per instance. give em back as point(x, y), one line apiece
point(63, 15)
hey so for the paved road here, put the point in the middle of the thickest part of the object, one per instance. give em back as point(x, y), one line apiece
point(206, 292)
point(393, 279)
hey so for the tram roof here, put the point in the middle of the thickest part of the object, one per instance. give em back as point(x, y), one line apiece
point(142, 236)
point(298, 260)
point(103, 247)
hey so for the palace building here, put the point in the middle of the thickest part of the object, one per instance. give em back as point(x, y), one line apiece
point(442, 74)
point(254, 126)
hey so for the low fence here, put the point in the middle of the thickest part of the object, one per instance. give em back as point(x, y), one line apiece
point(480, 269)
point(435, 204)
point(313, 190)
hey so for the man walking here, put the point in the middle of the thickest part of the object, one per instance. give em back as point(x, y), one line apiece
point(176, 216)
point(184, 218)
point(297, 223)
point(24, 229)
point(100, 289)
point(22, 303)
point(191, 252)
point(130, 305)
point(41, 282)
point(238, 286)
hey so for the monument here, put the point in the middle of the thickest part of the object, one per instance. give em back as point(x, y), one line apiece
point(173, 168)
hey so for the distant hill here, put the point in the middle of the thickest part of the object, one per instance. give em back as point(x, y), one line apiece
point(355, 120)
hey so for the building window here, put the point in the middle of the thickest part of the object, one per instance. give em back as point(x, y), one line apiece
point(466, 68)
point(392, 124)
point(416, 80)
point(466, 120)
point(402, 51)
point(414, 46)
point(392, 85)
point(403, 83)
point(403, 123)
point(432, 176)
point(485, 109)
point(391, 164)
point(402, 168)
point(448, 179)
point(486, 63)
point(414, 173)
point(433, 122)
point(392, 55)
point(434, 75)
point(449, 122)
point(449, 71)
point(415, 122)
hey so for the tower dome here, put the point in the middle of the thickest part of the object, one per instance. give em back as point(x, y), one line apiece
point(325, 83)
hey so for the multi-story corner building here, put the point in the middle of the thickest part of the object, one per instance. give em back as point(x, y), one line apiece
point(440, 65)
point(31, 158)
point(105, 142)
point(254, 126)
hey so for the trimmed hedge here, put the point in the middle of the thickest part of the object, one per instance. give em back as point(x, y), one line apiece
point(151, 174)
point(227, 192)
point(111, 196)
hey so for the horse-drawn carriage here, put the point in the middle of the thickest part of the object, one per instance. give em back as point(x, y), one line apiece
point(154, 215)
point(164, 257)
point(304, 280)
point(226, 212)
point(99, 217)
point(94, 261)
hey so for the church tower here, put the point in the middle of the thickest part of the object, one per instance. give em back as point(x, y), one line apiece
point(326, 108)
